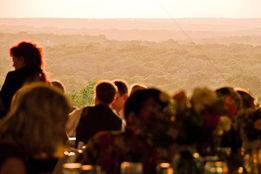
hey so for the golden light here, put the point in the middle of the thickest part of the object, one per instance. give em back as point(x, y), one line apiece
point(130, 8)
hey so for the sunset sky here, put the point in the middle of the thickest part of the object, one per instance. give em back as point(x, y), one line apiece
point(130, 8)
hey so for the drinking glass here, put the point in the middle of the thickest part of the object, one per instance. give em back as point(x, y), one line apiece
point(216, 167)
point(71, 168)
point(164, 168)
point(91, 169)
point(131, 168)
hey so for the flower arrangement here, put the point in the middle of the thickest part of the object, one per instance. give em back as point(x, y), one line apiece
point(206, 121)
point(159, 130)
point(149, 134)
point(203, 122)
point(196, 118)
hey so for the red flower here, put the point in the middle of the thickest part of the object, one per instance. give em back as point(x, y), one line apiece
point(229, 105)
point(180, 96)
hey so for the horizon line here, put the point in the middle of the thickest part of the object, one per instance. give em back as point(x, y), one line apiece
point(70, 18)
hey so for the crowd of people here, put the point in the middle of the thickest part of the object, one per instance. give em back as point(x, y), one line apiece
point(137, 124)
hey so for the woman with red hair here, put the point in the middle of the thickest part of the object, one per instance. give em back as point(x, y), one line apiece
point(28, 63)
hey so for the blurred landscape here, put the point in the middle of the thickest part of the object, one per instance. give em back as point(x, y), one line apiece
point(171, 54)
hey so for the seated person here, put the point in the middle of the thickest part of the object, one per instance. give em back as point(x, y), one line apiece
point(100, 117)
point(32, 136)
point(147, 138)
point(121, 97)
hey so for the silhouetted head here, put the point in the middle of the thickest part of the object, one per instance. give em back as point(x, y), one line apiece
point(149, 114)
point(27, 54)
point(248, 101)
point(37, 119)
point(58, 85)
point(121, 95)
point(145, 104)
point(231, 101)
point(121, 86)
point(136, 87)
point(105, 93)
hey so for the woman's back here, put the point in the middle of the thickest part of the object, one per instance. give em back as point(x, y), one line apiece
point(28, 64)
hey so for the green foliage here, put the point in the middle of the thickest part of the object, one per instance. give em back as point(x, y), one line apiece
point(259, 100)
point(84, 96)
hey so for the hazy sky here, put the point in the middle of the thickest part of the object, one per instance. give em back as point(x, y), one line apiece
point(130, 8)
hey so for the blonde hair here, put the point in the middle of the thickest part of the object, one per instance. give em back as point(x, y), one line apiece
point(36, 120)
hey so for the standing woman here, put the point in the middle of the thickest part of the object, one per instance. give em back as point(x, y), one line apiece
point(28, 63)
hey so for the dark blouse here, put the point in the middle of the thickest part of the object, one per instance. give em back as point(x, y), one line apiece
point(13, 82)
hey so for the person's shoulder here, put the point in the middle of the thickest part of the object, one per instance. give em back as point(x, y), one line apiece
point(16, 74)
point(75, 112)
point(114, 116)
point(98, 108)
point(11, 74)
point(87, 109)
point(87, 112)
point(74, 115)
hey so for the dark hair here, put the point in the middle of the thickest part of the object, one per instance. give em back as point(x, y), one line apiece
point(247, 99)
point(32, 56)
point(105, 92)
point(135, 103)
point(136, 87)
point(225, 92)
point(122, 87)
